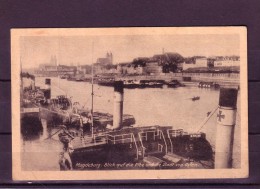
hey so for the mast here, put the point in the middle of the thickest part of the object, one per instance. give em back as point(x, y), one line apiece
point(55, 60)
point(92, 94)
point(21, 80)
point(21, 72)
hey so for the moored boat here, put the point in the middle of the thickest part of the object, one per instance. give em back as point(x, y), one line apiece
point(195, 98)
point(211, 85)
point(174, 84)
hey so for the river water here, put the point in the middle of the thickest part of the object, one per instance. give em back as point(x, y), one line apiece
point(154, 106)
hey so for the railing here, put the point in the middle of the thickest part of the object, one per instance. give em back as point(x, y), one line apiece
point(118, 139)
point(156, 133)
point(170, 140)
point(137, 153)
point(142, 145)
point(96, 137)
point(122, 138)
point(161, 134)
point(144, 134)
point(115, 139)
point(174, 133)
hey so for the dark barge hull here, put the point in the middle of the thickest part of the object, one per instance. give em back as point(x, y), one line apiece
point(30, 124)
point(148, 146)
point(104, 154)
point(142, 85)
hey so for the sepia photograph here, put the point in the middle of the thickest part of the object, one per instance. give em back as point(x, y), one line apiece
point(129, 103)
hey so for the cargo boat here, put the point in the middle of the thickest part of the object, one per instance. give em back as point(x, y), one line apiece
point(61, 110)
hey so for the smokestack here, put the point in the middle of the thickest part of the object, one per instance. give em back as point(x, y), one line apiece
point(226, 120)
point(118, 104)
point(47, 91)
point(33, 85)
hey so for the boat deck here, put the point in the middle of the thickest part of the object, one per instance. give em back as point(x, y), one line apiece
point(87, 141)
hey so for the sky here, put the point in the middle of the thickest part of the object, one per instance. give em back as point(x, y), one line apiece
point(75, 50)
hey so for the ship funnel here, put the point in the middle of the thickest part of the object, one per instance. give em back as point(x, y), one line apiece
point(226, 121)
point(47, 91)
point(118, 104)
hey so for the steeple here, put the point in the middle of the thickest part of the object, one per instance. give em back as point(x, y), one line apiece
point(111, 57)
point(55, 60)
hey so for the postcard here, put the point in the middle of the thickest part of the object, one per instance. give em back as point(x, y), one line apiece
point(129, 103)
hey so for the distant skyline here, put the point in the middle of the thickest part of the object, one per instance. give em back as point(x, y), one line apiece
point(78, 49)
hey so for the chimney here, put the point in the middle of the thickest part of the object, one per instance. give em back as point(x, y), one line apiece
point(226, 120)
point(47, 91)
point(118, 104)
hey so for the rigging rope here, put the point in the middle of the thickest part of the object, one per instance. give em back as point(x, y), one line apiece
point(53, 134)
point(207, 118)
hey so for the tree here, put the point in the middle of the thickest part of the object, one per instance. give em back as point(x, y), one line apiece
point(140, 61)
point(174, 58)
point(110, 66)
point(170, 61)
point(210, 63)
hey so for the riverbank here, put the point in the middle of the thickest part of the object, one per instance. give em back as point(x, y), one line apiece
point(191, 79)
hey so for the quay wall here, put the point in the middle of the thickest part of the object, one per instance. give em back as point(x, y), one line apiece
point(222, 79)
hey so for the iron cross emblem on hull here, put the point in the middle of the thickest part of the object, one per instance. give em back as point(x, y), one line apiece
point(220, 116)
